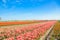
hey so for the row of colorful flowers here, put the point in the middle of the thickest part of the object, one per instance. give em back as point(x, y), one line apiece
point(6, 23)
point(31, 32)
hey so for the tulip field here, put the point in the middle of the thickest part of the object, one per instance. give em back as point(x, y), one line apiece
point(28, 32)
point(56, 32)
point(5, 23)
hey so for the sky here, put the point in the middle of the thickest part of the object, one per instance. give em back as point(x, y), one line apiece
point(30, 9)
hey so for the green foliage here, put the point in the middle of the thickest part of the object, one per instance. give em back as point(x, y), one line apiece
point(58, 20)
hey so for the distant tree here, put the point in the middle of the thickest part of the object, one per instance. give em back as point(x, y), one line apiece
point(0, 18)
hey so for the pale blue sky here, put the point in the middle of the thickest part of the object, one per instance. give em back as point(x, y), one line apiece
point(29, 9)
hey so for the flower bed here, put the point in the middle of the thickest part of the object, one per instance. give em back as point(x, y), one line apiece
point(31, 32)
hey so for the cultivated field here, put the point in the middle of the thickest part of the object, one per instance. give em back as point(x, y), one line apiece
point(56, 32)
point(7, 23)
point(27, 30)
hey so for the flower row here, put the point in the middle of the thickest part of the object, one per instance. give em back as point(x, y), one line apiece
point(31, 32)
